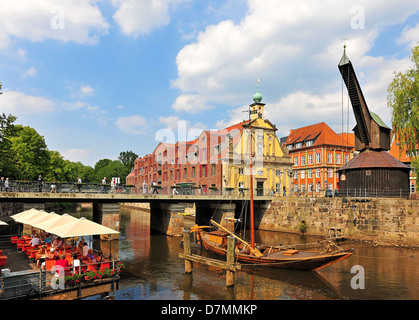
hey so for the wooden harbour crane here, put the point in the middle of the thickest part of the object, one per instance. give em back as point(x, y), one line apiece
point(373, 172)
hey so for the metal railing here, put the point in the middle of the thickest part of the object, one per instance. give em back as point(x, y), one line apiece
point(65, 187)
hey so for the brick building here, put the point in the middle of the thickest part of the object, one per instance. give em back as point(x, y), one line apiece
point(400, 153)
point(218, 161)
point(316, 152)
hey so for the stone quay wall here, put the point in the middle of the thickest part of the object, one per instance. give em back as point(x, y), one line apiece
point(381, 221)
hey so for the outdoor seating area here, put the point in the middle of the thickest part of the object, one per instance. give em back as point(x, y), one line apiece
point(55, 243)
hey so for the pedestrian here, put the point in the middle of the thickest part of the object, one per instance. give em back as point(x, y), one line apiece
point(144, 188)
point(6, 185)
point(103, 190)
point(154, 188)
point(1, 183)
point(79, 184)
point(54, 187)
point(113, 185)
point(40, 183)
point(174, 188)
point(241, 189)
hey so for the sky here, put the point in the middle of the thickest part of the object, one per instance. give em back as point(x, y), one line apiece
point(96, 78)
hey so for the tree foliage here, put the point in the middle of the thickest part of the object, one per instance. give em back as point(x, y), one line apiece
point(24, 156)
point(127, 158)
point(403, 100)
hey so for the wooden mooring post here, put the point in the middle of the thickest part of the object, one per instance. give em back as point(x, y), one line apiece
point(229, 265)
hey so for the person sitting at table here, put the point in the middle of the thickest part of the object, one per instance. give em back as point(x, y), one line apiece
point(40, 255)
point(90, 257)
point(35, 241)
point(58, 243)
point(100, 257)
point(47, 238)
point(63, 262)
point(85, 250)
point(76, 262)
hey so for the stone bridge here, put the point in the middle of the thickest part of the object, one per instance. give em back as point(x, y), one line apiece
point(164, 209)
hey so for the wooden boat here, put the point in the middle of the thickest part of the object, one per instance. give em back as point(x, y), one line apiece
point(271, 256)
point(278, 257)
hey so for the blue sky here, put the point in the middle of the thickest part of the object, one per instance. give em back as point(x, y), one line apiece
point(99, 77)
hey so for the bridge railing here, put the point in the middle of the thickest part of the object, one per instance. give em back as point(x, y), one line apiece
point(65, 187)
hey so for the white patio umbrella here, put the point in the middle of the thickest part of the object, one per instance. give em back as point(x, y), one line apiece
point(55, 222)
point(35, 222)
point(81, 227)
point(24, 213)
point(30, 216)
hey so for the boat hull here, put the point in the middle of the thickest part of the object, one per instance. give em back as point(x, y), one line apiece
point(303, 260)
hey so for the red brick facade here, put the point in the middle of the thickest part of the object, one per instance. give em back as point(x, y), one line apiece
point(316, 152)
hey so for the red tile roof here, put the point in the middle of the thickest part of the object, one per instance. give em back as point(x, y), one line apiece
point(321, 134)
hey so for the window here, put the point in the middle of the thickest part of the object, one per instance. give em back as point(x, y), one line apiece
point(310, 187)
point(310, 173)
point(346, 158)
point(278, 172)
point(213, 169)
point(193, 172)
point(303, 174)
point(303, 188)
point(298, 145)
point(318, 158)
point(296, 161)
point(241, 171)
point(317, 187)
point(260, 148)
point(317, 173)
point(289, 147)
point(185, 173)
point(310, 159)
point(278, 188)
point(338, 158)
point(330, 186)
point(330, 172)
point(330, 157)
point(309, 143)
point(295, 174)
point(303, 160)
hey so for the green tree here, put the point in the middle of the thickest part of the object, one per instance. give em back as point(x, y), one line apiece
point(30, 154)
point(109, 168)
point(127, 159)
point(7, 130)
point(403, 100)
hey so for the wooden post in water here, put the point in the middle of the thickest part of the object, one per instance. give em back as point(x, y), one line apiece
point(231, 243)
point(187, 250)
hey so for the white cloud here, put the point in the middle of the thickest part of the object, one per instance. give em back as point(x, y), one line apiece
point(132, 125)
point(140, 17)
point(76, 155)
point(410, 36)
point(19, 103)
point(294, 47)
point(37, 20)
point(190, 103)
point(86, 90)
point(31, 72)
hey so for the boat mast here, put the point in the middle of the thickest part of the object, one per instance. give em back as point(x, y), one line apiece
point(252, 222)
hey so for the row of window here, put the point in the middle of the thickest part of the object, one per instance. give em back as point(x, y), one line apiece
point(319, 159)
point(310, 173)
point(310, 187)
point(298, 145)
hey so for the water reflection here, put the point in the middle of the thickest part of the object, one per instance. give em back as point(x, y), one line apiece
point(154, 271)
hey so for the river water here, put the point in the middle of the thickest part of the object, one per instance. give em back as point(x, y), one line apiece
point(154, 271)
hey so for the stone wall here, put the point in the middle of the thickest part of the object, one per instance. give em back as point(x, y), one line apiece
point(379, 220)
